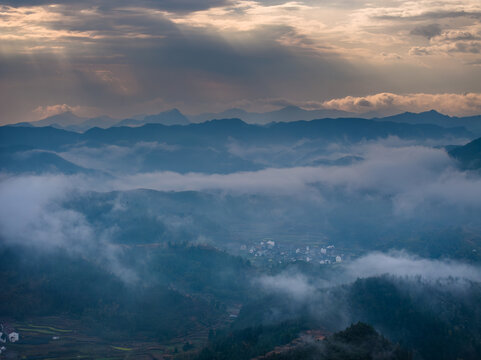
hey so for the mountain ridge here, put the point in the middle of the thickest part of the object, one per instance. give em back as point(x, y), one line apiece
point(219, 131)
point(72, 122)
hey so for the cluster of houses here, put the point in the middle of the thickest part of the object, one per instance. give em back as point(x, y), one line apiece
point(7, 333)
point(280, 253)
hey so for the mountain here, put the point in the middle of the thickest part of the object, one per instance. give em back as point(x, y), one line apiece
point(426, 117)
point(45, 138)
point(472, 123)
point(217, 146)
point(170, 117)
point(25, 160)
point(101, 122)
point(70, 121)
point(357, 342)
point(21, 124)
point(129, 122)
point(288, 113)
point(468, 155)
point(219, 132)
point(62, 120)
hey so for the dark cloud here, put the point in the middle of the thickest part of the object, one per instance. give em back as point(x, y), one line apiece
point(364, 102)
point(432, 15)
point(168, 5)
point(427, 31)
point(193, 66)
point(117, 55)
point(466, 47)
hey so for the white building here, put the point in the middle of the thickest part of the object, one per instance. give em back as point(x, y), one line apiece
point(338, 259)
point(271, 243)
point(323, 251)
point(13, 337)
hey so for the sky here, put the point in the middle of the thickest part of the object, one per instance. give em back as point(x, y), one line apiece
point(121, 58)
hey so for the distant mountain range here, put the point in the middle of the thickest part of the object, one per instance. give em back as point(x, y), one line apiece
point(72, 122)
point(472, 123)
point(288, 113)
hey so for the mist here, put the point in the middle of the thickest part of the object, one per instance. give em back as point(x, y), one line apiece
point(244, 233)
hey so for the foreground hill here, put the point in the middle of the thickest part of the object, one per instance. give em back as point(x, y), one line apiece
point(468, 155)
point(358, 342)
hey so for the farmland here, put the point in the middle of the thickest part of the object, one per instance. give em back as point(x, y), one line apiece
point(62, 339)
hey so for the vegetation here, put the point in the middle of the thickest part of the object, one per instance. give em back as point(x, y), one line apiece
point(250, 342)
point(358, 342)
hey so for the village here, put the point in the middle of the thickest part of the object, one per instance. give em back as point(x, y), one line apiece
point(267, 250)
point(7, 333)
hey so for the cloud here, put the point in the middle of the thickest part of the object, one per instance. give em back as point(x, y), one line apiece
point(399, 188)
point(402, 264)
point(448, 275)
point(329, 300)
point(389, 103)
point(295, 286)
point(129, 54)
point(32, 216)
point(115, 158)
point(170, 5)
point(415, 179)
point(427, 31)
point(49, 110)
point(115, 57)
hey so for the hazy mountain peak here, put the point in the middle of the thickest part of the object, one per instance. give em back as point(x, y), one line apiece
point(230, 121)
point(290, 108)
point(169, 117)
point(64, 119)
point(173, 111)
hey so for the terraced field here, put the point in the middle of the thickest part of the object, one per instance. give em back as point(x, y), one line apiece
point(56, 338)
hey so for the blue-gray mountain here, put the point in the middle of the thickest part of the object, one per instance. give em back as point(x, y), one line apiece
point(213, 146)
point(468, 155)
point(70, 121)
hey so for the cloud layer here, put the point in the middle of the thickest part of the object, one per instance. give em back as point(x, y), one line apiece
point(389, 103)
point(401, 183)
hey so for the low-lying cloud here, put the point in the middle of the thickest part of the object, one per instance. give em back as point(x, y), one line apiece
point(395, 264)
point(401, 186)
point(32, 216)
point(402, 264)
